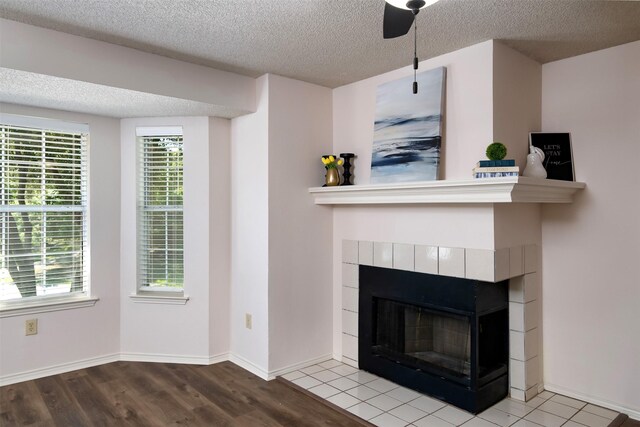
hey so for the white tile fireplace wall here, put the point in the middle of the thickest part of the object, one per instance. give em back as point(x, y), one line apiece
point(518, 264)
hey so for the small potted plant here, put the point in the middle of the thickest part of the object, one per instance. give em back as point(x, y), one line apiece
point(496, 151)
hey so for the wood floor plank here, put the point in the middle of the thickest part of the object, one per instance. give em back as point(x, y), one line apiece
point(266, 401)
point(149, 394)
point(73, 374)
point(256, 418)
point(206, 413)
point(60, 402)
point(169, 410)
point(175, 384)
point(92, 402)
point(127, 404)
point(24, 404)
point(232, 403)
point(122, 369)
point(103, 373)
point(142, 382)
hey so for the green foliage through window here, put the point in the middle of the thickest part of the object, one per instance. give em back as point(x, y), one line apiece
point(43, 192)
point(160, 214)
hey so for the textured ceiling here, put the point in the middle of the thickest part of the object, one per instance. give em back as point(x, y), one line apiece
point(20, 87)
point(331, 42)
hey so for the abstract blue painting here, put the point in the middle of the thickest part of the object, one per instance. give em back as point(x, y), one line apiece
point(407, 132)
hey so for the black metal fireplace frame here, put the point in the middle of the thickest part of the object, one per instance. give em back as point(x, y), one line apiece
point(449, 296)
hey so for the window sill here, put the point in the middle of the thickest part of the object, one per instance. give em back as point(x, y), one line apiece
point(159, 298)
point(10, 310)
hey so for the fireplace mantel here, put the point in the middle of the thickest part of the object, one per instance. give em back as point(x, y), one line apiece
point(488, 190)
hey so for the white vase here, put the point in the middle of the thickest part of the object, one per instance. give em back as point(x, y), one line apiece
point(534, 168)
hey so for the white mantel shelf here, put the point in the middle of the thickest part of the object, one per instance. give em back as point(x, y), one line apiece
point(487, 190)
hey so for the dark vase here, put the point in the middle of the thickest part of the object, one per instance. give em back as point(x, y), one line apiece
point(346, 174)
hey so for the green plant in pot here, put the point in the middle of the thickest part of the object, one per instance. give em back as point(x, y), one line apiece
point(496, 151)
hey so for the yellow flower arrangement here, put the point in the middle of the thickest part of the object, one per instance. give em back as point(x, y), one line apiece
point(330, 162)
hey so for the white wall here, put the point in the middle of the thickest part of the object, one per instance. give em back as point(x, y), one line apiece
point(159, 331)
point(300, 303)
point(281, 241)
point(220, 236)
point(517, 224)
point(42, 51)
point(590, 297)
point(250, 234)
point(517, 98)
point(468, 114)
point(492, 93)
point(88, 335)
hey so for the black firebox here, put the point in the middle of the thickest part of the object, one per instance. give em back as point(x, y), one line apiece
point(443, 336)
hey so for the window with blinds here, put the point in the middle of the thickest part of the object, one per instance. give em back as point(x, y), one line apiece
point(44, 212)
point(160, 210)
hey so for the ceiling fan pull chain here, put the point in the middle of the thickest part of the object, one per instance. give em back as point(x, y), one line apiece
point(415, 55)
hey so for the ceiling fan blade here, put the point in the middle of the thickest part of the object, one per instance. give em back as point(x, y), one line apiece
point(397, 22)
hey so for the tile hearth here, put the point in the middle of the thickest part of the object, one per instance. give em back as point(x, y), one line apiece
point(386, 404)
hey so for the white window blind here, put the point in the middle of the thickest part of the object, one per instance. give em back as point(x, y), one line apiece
point(44, 210)
point(160, 212)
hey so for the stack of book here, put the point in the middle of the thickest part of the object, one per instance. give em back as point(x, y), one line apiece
point(495, 169)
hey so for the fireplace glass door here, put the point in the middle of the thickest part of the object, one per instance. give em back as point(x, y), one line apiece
point(444, 336)
point(426, 339)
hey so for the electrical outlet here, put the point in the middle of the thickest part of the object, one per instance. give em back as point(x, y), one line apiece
point(247, 321)
point(31, 327)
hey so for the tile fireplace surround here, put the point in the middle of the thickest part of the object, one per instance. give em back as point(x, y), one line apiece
point(518, 264)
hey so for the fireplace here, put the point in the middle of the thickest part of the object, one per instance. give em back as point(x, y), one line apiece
point(517, 264)
point(444, 336)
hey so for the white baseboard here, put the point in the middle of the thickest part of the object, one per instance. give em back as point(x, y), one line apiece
point(159, 358)
point(164, 358)
point(249, 366)
point(101, 360)
point(222, 357)
point(631, 412)
point(295, 367)
point(58, 369)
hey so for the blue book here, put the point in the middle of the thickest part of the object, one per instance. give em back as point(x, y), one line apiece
point(496, 163)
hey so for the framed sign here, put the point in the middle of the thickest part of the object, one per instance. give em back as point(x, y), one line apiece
point(558, 160)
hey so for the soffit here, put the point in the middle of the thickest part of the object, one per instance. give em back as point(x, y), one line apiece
point(25, 88)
